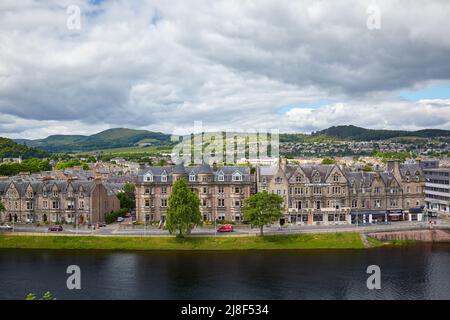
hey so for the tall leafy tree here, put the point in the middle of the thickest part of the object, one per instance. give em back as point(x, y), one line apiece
point(127, 197)
point(263, 208)
point(183, 212)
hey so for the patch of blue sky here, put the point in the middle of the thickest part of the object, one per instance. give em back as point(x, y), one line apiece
point(309, 105)
point(96, 2)
point(433, 92)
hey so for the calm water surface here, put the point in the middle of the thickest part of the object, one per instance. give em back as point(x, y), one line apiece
point(413, 272)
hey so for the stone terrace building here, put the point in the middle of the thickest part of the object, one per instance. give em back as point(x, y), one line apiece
point(56, 201)
point(221, 190)
point(329, 194)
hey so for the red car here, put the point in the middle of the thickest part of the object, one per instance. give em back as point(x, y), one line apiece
point(55, 228)
point(225, 228)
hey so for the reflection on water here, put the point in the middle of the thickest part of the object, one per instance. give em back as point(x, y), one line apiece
point(413, 272)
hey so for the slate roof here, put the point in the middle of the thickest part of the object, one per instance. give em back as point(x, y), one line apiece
point(215, 172)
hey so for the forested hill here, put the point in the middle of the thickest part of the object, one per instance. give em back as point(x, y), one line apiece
point(111, 138)
point(11, 149)
point(361, 134)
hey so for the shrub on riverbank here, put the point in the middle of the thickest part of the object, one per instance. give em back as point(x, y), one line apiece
point(302, 241)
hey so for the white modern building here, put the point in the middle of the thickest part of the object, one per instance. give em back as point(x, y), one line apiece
point(437, 189)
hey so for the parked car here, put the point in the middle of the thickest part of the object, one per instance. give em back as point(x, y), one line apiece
point(101, 225)
point(225, 228)
point(55, 228)
point(5, 227)
point(120, 219)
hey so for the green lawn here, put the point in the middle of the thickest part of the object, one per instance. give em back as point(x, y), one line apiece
point(304, 241)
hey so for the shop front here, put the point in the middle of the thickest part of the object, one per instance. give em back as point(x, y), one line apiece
point(369, 216)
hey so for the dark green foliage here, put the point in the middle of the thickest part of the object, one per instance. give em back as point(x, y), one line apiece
point(263, 208)
point(112, 138)
point(112, 217)
point(361, 134)
point(62, 165)
point(32, 165)
point(11, 149)
point(183, 212)
point(328, 161)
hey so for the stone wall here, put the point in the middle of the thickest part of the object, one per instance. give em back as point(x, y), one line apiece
point(418, 235)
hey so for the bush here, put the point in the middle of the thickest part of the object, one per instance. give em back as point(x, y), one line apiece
point(112, 217)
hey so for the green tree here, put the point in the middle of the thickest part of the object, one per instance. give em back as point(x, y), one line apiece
point(2, 206)
point(263, 208)
point(48, 296)
point(129, 187)
point(183, 212)
point(126, 202)
point(30, 296)
point(328, 161)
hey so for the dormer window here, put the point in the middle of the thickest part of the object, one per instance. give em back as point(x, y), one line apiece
point(148, 177)
point(164, 177)
point(317, 177)
point(336, 178)
point(237, 176)
point(278, 180)
point(298, 178)
point(221, 177)
point(192, 177)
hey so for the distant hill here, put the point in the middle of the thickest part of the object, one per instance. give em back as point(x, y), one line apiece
point(111, 138)
point(123, 138)
point(360, 134)
point(11, 149)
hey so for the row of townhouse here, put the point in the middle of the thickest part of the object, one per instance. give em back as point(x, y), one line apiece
point(313, 194)
point(330, 194)
point(56, 201)
point(221, 190)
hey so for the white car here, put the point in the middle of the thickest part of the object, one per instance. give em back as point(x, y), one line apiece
point(5, 227)
point(120, 219)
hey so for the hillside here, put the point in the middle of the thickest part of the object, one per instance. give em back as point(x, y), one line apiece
point(11, 149)
point(361, 134)
point(111, 138)
point(135, 140)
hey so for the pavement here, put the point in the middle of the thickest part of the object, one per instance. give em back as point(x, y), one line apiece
point(123, 229)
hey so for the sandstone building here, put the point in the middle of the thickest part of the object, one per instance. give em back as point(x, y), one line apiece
point(56, 201)
point(222, 190)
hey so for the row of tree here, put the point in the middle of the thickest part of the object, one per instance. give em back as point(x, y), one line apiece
point(30, 165)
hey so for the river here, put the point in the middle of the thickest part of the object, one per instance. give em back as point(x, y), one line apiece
point(411, 272)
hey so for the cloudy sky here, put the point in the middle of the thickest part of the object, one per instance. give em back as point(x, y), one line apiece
point(296, 66)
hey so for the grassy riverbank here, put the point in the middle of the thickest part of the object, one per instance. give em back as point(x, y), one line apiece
point(303, 241)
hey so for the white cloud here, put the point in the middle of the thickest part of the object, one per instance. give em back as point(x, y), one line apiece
point(385, 115)
point(162, 65)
